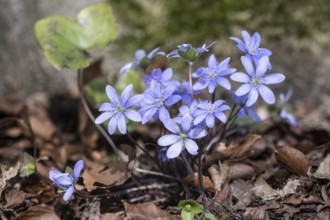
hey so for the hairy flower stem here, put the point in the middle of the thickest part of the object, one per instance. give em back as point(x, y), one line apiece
point(185, 160)
point(144, 151)
point(33, 137)
point(200, 177)
point(190, 79)
point(92, 118)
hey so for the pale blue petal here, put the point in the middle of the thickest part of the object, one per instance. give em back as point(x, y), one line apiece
point(174, 150)
point(153, 52)
point(212, 86)
point(209, 120)
point(103, 117)
point(252, 97)
point(168, 139)
point(107, 107)
point(243, 89)
point(246, 36)
point(148, 115)
point(126, 68)
point(134, 100)
point(237, 40)
point(139, 55)
point(222, 81)
point(163, 114)
point(167, 74)
point(112, 125)
point(126, 93)
point(191, 146)
point(122, 124)
point(172, 100)
point(186, 123)
point(79, 165)
point(240, 77)
point(172, 126)
point(262, 66)
point(64, 180)
point(256, 39)
point(197, 132)
point(112, 94)
point(212, 62)
point(252, 114)
point(247, 65)
point(132, 115)
point(201, 84)
point(200, 118)
point(273, 78)
point(221, 116)
point(53, 174)
point(68, 193)
point(267, 94)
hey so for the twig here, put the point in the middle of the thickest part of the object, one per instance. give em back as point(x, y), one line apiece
point(92, 118)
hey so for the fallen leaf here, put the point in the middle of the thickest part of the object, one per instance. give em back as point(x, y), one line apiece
point(292, 159)
point(263, 190)
point(323, 172)
point(110, 216)
point(192, 179)
point(92, 211)
point(219, 175)
point(115, 173)
point(236, 151)
point(39, 212)
point(146, 212)
point(14, 198)
point(7, 174)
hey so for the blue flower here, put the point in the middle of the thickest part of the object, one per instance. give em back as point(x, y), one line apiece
point(118, 109)
point(254, 82)
point(181, 137)
point(141, 60)
point(284, 98)
point(155, 100)
point(163, 78)
point(213, 75)
point(188, 53)
point(206, 111)
point(65, 180)
point(250, 47)
point(240, 101)
point(184, 91)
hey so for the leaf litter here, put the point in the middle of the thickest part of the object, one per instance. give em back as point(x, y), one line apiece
point(279, 173)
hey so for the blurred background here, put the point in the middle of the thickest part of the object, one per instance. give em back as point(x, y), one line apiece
point(296, 31)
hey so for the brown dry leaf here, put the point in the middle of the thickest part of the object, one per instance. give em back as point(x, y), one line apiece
point(41, 124)
point(115, 173)
point(8, 173)
point(260, 212)
point(236, 151)
point(92, 211)
point(12, 106)
point(241, 171)
point(192, 179)
point(223, 195)
point(292, 159)
point(263, 190)
point(110, 216)
point(219, 175)
point(323, 172)
point(146, 212)
point(39, 212)
point(14, 198)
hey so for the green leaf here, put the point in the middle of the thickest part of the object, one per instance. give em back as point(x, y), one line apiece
point(64, 41)
point(191, 205)
point(28, 166)
point(209, 216)
point(69, 170)
point(187, 215)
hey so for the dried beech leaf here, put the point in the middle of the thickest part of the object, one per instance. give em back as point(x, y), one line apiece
point(263, 190)
point(146, 212)
point(292, 159)
point(192, 180)
point(289, 188)
point(219, 175)
point(14, 198)
point(115, 173)
point(39, 212)
point(323, 172)
point(110, 216)
point(236, 151)
point(8, 173)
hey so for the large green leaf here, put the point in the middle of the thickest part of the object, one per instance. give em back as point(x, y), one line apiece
point(65, 41)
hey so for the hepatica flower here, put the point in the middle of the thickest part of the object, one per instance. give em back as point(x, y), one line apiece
point(244, 110)
point(119, 109)
point(188, 53)
point(184, 91)
point(284, 98)
point(213, 74)
point(141, 60)
point(182, 137)
point(155, 100)
point(67, 180)
point(255, 82)
point(251, 48)
point(207, 112)
point(163, 78)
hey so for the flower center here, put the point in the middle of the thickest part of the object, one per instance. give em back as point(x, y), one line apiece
point(256, 81)
point(183, 136)
point(159, 102)
point(120, 108)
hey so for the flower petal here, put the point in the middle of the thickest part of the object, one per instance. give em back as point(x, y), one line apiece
point(126, 68)
point(139, 55)
point(243, 89)
point(53, 174)
point(240, 77)
point(186, 123)
point(174, 150)
point(132, 115)
point(212, 62)
point(252, 97)
point(168, 139)
point(163, 114)
point(262, 66)
point(172, 100)
point(167, 74)
point(148, 114)
point(201, 84)
point(267, 94)
point(126, 93)
point(273, 78)
point(209, 120)
point(103, 117)
point(197, 132)
point(172, 126)
point(112, 125)
point(107, 107)
point(112, 94)
point(68, 193)
point(222, 81)
point(246, 36)
point(221, 116)
point(247, 65)
point(122, 124)
point(79, 165)
point(200, 118)
point(191, 146)
point(256, 39)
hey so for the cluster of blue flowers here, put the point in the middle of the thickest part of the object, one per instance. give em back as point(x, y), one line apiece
point(196, 116)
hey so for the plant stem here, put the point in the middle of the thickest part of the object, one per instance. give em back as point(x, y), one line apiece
point(190, 79)
point(33, 137)
point(92, 118)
